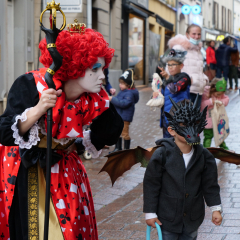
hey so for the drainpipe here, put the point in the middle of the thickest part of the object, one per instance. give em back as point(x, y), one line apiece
point(89, 13)
point(233, 18)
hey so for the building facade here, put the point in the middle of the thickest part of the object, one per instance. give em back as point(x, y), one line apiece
point(184, 18)
point(220, 23)
point(236, 18)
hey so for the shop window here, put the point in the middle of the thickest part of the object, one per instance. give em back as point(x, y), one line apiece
point(136, 46)
point(168, 35)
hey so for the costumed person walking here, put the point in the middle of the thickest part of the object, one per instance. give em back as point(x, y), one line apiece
point(210, 58)
point(223, 58)
point(181, 174)
point(215, 93)
point(77, 101)
point(124, 103)
point(233, 70)
point(176, 85)
point(193, 64)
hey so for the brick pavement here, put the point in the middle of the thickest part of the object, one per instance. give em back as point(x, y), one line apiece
point(119, 208)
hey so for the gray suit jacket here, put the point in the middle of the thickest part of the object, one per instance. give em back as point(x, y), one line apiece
point(177, 194)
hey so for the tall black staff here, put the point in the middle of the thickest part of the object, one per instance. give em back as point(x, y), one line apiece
point(51, 36)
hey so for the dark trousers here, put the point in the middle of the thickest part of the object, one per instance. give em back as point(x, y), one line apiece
point(179, 236)
point(233, 74)
point(225, 71)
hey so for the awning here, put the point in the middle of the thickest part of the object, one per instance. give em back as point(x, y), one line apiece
point(164, 23)
point(232, 36)
point(133, 8)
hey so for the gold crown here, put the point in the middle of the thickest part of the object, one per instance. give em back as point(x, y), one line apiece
point(76, 27)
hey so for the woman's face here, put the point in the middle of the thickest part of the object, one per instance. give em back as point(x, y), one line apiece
point(93, 79)
point(195, 33)
point(212, 44)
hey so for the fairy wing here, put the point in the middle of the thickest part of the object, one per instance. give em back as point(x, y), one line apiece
point(225, 155)
point(121, 161)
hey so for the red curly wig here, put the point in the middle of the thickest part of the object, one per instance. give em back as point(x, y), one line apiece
point(79, 53)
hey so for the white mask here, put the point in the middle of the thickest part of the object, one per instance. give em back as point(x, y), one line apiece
point(194, 41)
point(93, 79)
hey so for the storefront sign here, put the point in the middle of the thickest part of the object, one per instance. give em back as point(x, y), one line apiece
point(220, 38)
point(196, 19)
point(67, 5)
point(186, 9)
point(210, 36)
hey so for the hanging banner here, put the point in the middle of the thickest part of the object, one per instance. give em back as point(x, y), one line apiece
point(67, 5)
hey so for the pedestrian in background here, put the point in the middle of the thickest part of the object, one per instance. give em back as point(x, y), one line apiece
point(176, 85)
point(233, 70)
point(124, 103)
point(211, 59)
point(215, 93)
point(193, 64)
point(108, 87)
point(223, 58)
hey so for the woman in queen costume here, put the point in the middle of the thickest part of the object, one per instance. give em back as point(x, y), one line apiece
point(77, 101)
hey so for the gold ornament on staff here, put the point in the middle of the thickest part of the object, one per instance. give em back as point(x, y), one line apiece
point(53, 7)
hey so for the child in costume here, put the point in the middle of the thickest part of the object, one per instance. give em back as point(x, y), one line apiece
point(180, 175)
point(77, 101)
point(215, 93)
point(176, 85)
point(124, 103)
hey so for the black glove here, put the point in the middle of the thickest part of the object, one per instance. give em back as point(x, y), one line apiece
point(51, 37)
point(106, 128)
point(79, 145)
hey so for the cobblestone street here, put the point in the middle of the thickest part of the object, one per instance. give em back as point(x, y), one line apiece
point(119, 208)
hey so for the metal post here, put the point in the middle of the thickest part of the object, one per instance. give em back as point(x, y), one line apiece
point(89, 14)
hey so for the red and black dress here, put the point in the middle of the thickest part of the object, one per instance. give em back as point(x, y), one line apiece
point(23, 160)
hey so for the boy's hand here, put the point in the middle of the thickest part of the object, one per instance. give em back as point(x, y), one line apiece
point(113, 91)
point(163, 73)
point(217, 218)
point(151, 222)
point(110, 98)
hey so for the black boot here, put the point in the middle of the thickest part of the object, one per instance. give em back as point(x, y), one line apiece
point(127, 144)
point(118, 146)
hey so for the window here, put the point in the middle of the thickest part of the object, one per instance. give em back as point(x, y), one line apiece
point(229, 21)
point(215, 14)
point(223, 18)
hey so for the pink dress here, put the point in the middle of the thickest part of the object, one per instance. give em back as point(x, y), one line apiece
point(206, 101)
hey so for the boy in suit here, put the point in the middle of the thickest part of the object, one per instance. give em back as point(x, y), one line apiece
point(180, 175)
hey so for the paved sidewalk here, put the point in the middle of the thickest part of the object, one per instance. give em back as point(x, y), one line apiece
point(119, 208)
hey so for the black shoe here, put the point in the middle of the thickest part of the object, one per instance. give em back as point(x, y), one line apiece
point(127, 144)
point(118, 146)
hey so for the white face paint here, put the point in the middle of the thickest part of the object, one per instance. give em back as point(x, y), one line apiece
point(93, 79)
